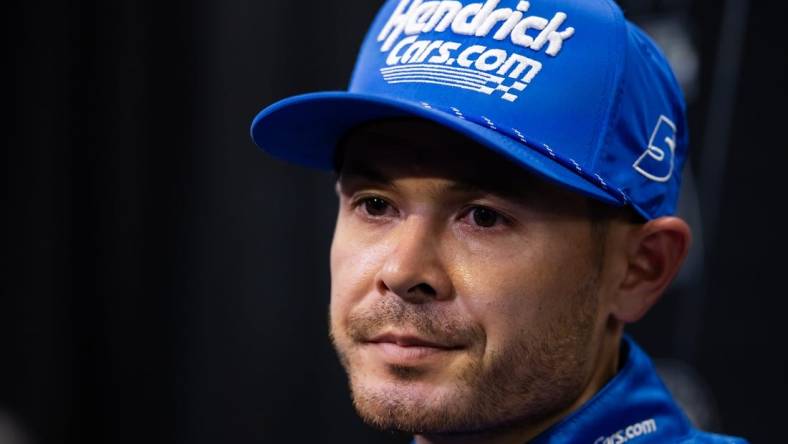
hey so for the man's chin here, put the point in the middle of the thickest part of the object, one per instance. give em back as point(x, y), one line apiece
point(409, 405)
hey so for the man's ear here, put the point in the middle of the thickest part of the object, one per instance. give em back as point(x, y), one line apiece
point(655, 252)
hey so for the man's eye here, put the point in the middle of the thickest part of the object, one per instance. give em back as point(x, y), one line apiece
point(375, 206)
point(485, 217)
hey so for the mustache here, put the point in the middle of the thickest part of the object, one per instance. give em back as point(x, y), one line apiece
point(427, 321)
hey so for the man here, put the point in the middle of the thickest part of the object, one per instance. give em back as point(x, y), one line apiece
point(507, 175)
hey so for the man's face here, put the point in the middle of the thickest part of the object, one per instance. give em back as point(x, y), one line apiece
point(465, 292)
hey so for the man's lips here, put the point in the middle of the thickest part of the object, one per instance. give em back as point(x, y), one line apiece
point(404, 349)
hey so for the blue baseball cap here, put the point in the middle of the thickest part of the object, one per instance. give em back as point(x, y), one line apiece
point(569, 89)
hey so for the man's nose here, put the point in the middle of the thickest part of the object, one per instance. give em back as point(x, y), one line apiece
point(414, 270)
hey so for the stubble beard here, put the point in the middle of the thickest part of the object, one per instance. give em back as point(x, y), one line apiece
point(530, 379)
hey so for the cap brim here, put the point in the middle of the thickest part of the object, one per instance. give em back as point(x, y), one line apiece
point(305, 130)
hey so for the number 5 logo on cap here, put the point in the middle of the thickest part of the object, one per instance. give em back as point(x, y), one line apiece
point(657, 162)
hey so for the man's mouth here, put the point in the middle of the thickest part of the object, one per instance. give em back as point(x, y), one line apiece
point(405, 349)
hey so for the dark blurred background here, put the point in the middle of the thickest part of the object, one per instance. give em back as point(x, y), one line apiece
point(164, 281)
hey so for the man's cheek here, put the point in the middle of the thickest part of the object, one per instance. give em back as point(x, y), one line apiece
point(494, 292)
point(351, 280)
point(355, 264)
point(344, 275)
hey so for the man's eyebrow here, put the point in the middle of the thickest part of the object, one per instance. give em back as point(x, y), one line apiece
point(469, 188)
point(371, 175)
point(472, 187)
